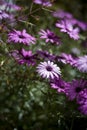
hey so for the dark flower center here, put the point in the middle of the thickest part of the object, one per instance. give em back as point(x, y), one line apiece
point(46, 55)
point(50, 36)
point(49, 68)
point(21, 36)
point(78, 89)
point(27, 57)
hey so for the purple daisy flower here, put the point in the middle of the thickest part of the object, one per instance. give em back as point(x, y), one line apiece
point(45, 55)
point(81, 24)
point(48, 70)
point(49, 36)
point(75, 87)
point(24, 57)
point(21, 37)
point(81, 63)
point(82, 96)
point(82, 101)
point(62, 14)
point(65, 15)
point(59, 85)
point(27, 57)
point(83, 108)
point(67, 26)
point(4, 15)
point(66, 59)
point(43, 2)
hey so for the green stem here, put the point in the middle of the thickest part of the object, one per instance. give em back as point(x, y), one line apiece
point(72, 123)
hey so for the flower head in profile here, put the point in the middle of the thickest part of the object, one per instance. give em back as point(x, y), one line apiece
point(45, 55)
point(67, 59)
point(62, 14)
point(24, 57)
point(75, 87)
point(43, 2)
point(4, 15)
point(68, 27)
point(82, 101)
point(21, 37)
point(27, 57)
point(83, 108)
point(59, 85)
point(48, 70)
point(82, 96)
point(81, 63)
point(50, 36)
point(81, 24)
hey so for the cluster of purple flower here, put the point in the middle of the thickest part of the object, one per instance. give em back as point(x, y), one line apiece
point(69, 24)
point(75, 90)
point(7, 14)
point(8, 5)
point(48, 66)
point(67, 27)
point(48, 69)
